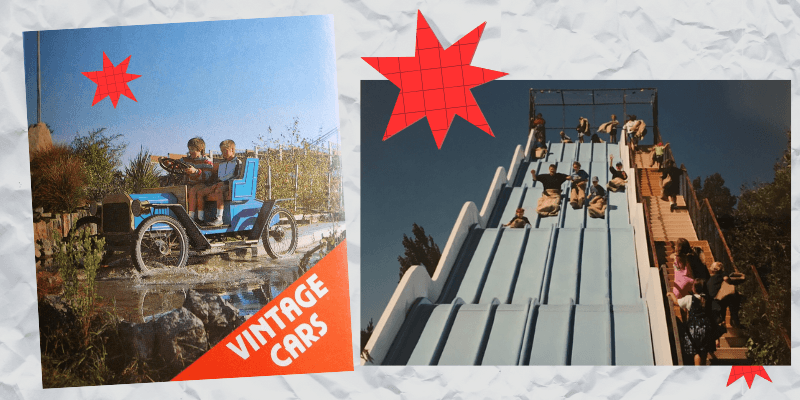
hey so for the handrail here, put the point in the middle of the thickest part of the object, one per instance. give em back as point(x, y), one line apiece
point(672, 320)
point(706, 225)
point(652, 244)
point(631, 155)
point(707, 228)
point(766, 299)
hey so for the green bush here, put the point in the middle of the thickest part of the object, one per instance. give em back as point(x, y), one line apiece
point(292, 160)
point(57, 180)
point(74, 339)
point(141, 173)
point(102, 158)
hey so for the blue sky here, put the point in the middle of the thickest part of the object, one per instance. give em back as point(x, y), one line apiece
point(218, 80)
point(736, 128)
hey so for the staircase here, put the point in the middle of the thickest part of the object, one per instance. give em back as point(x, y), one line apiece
point(666, 226)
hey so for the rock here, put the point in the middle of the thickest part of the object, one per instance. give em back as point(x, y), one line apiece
point(55, 317)
point(218, 316)
point(39, 138)
point(138, 340)
point(180, 339)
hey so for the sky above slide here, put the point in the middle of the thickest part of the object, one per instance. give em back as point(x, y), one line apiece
point(218, 80)
point(736, 128)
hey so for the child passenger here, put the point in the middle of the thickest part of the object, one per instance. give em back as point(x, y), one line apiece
point(227, 170)
point(198, 173)
point(519, 220)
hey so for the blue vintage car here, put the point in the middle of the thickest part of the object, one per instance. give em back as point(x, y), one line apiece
point(157, 231)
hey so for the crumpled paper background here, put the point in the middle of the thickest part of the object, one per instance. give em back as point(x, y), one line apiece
point(545, 39)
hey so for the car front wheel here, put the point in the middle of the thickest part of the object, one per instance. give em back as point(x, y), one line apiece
point(160, 242)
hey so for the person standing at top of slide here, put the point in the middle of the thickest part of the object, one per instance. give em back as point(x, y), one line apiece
point(538, 129)
point(610, 128)
point(583, 128)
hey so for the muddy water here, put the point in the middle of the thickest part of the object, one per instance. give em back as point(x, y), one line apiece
point(247, 282)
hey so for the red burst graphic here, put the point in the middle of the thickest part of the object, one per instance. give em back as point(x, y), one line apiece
point(112, 81)
point(749, 374)
point(435, 83)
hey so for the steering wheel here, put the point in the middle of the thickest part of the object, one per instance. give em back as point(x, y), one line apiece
point(173, 166)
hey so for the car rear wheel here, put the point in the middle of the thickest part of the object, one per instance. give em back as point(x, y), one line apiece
point(160, 242)
point(280, 234)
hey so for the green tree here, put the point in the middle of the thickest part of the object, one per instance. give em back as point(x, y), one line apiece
point(102, 158)
point(718, 195)
point(421, 250)
point(141, 173)
point(761, 237)
point(298, 171)
point(57, 179)
point(366, 333)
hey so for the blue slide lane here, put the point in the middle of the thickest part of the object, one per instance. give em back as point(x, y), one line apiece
point(594, 267)
point(624, 273)
point(505, 342)
point(464, 345)
point(504, 266)
point(551, 335)
point(433, 337)
point(562, 287)
point(531, 272)
point(476, 272)
point(591, 335)
point(632, 335)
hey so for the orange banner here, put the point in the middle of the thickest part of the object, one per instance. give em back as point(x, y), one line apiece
point(306, 329)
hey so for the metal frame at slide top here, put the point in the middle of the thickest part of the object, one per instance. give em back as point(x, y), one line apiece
point(596, 97)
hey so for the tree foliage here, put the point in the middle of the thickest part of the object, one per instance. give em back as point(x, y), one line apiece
point(718, 195)
point(102, 158)
point(57, 179)
point(298, 170)
point(421, 250)
point(141, 173)
point(366, 333)
point(761, 237)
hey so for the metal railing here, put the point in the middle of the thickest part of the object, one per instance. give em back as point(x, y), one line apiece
point(766, 299)
point(705, 224)
point(707, 228)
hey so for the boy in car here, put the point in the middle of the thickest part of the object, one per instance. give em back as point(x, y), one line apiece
point(226, 170)
point(197, 174)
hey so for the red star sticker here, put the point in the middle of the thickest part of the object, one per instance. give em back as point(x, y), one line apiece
point(749, 374)
point(112, 81)
point(435, 83)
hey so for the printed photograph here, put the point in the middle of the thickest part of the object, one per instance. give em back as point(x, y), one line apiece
point(594, 223)
point(187, 178)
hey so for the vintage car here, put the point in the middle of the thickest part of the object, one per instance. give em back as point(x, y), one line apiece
point(157, 231)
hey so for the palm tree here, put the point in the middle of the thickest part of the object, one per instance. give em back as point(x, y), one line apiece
point(141, 173)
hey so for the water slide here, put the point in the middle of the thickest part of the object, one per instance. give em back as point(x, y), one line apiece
point(564, 291)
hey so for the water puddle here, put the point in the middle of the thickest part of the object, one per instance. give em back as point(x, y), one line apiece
point(247, 282)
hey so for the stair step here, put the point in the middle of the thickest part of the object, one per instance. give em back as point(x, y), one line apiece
point(731, 353)
point(732, 342)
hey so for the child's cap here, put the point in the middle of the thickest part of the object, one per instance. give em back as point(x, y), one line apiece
point(595, 180)
point(660, 144)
